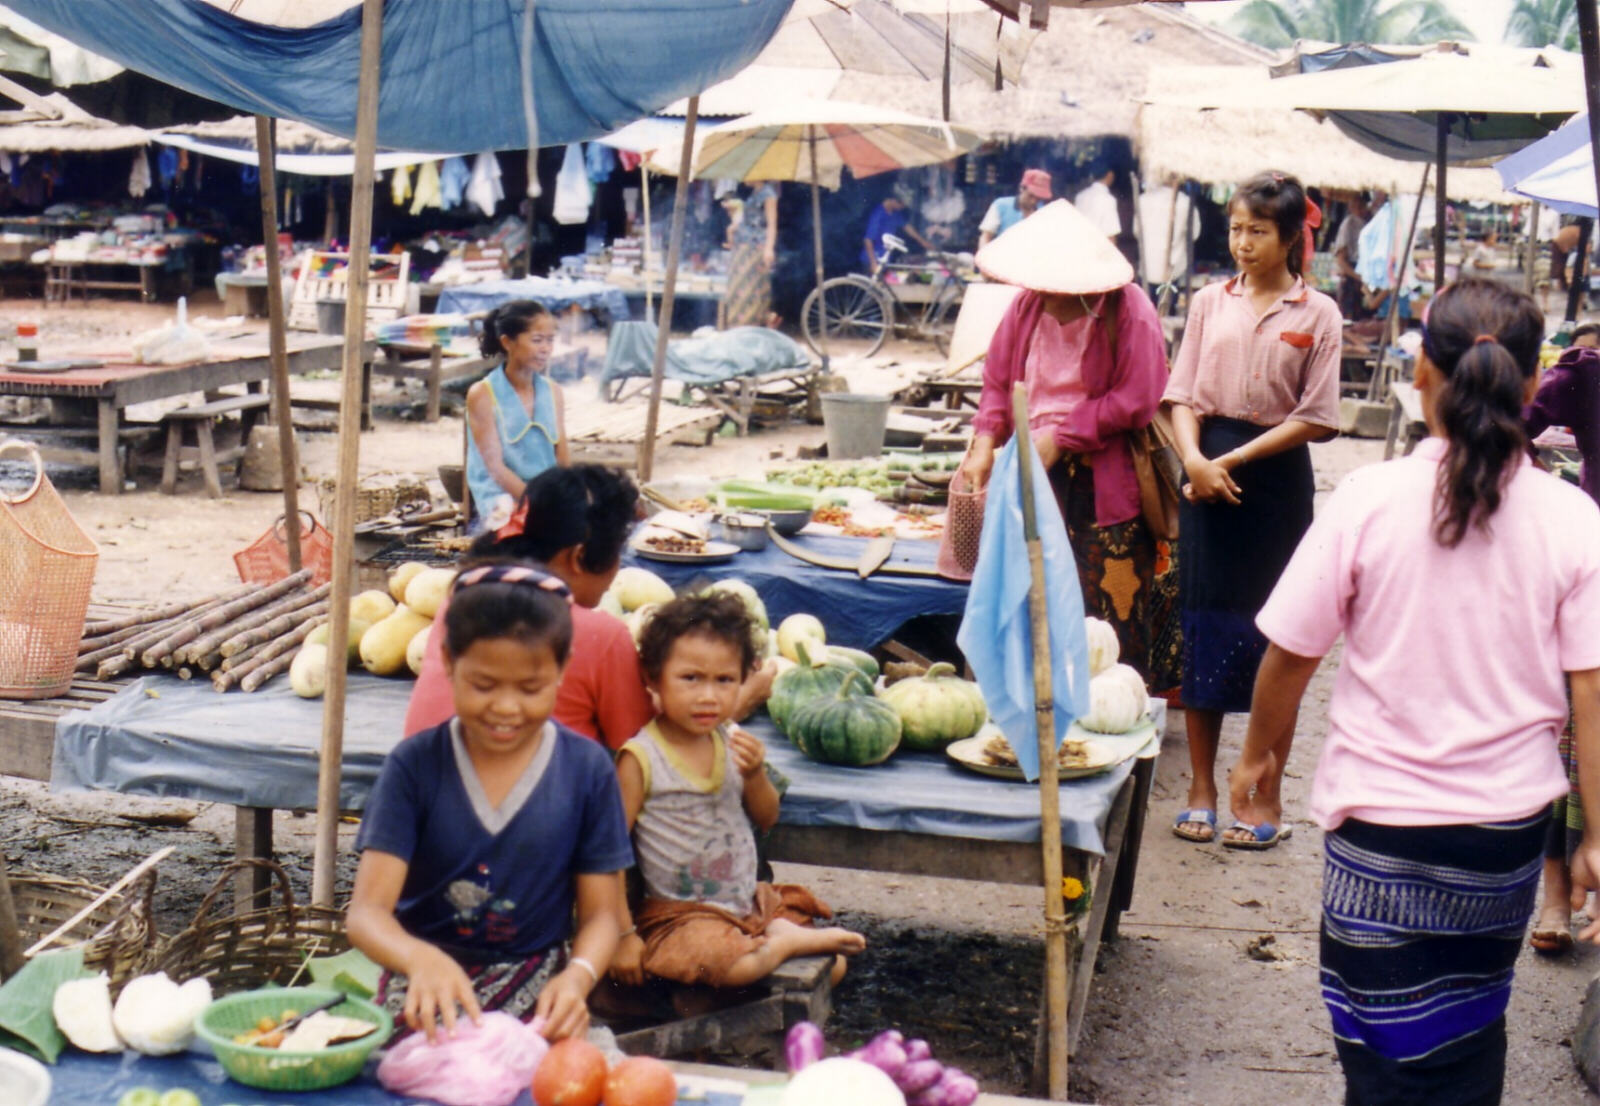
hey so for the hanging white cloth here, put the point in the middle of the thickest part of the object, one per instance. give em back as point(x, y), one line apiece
point(139, 177)
point(571, 206)
point(484, 188)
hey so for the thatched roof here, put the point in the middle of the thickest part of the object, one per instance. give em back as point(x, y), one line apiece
point(293, 137)
point(1082, 77)
point(1232, 145)
point(73, 130)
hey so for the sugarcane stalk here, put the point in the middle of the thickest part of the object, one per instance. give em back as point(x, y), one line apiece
point(206, 662)
point(157, 614)
point(185, 672)
point(90, 662)
point(247, 620)
point(262, 673)
point(102, 641)
point(240, 607)
point(132, 648)
point(272, 653)
point(244, 656)
point(272, 628)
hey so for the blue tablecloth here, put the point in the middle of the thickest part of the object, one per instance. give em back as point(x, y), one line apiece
point(556, 294)
point(260, 750)
point(84, 1080)
point(856, 612)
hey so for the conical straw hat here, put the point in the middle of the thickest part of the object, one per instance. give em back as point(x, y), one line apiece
point(1056, 250)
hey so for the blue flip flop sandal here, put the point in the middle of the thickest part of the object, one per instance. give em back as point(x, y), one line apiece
point(1200, 814)
point(1264, 836)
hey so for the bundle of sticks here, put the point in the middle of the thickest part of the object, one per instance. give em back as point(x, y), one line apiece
point(242, 637)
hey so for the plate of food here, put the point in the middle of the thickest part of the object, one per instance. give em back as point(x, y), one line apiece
point(682, 549)
point(989, 753)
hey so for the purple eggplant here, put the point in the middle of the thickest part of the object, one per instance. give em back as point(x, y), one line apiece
point(955, 1088)
point(917, 1049)
point(803, 1046)
point(884, 1052)
point(918, 1075)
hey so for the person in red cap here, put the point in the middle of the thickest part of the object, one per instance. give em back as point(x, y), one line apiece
point(1008, 211)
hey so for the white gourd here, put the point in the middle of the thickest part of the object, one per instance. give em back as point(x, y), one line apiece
point(1129, 675)
point(1114, 705)
point(155, 1016)
point(1104, 649)
point(838, 1081)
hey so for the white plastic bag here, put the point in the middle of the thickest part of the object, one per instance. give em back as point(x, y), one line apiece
point(571, 205)
point(178, 344)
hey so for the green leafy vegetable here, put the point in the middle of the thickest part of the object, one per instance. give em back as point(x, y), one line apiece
point(26, 1023)
point(350, 973)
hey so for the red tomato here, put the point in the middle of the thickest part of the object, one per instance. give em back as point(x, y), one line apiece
point(573, 1073)
point(641, 1081)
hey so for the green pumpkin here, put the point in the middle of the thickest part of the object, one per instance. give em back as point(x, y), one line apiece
point(864, 661)
point(851, 726)
point(936, 709)
point(803, 683)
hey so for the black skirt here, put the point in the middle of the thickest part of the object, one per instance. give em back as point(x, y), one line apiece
point(1229, 560)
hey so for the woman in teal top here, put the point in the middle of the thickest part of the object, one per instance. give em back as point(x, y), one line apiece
point(515, 416)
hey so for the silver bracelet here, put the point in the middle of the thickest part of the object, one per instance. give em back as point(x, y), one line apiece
point(583, 963)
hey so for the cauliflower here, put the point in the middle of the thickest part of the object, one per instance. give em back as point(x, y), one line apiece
point(156, 1016)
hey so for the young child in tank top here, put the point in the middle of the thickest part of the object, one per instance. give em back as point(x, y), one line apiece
point(692, 784)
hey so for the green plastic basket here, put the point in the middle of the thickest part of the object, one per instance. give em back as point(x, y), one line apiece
point(273, 1069)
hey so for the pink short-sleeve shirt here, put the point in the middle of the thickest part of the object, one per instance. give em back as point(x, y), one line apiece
point(1450, 698)
point(1266, 369)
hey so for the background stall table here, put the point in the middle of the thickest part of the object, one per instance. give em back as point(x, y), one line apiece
point(556, 294)
point(857, 613)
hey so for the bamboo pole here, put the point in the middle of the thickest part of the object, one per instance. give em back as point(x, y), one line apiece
point(1169, 282)
point(289, 461)
point(1530, 251)
point(669, 291)
point(355, 321)
point(1378, 388)
point(1055, 914)
point(644, 198)
point(816, 246)
point(1441, 238)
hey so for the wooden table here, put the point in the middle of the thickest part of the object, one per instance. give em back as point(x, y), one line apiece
point(113, 387)
point(63, 278)
point(432, 365)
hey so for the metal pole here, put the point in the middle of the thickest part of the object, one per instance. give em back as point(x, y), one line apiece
point(644, 198)
point(282, 414)
point(1442, 135)
point(1055, 914)
point(355, 326)
point(1589, 45)
point(816, 246)
point(669, 290)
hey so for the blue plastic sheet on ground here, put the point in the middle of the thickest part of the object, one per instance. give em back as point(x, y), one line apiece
point(557, 295)
point(996, 634)
point(84, 1080)
point(175, 738)
point(725, 355)
point(452, 75)
point(855, 612)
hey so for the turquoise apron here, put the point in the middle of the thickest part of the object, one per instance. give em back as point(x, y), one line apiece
point(527, 445)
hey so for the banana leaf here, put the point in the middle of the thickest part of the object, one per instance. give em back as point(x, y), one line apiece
point(26, 1021)
point(350, 973)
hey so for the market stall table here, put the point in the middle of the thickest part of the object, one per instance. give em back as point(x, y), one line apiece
point(556, 294)
point(114, 386)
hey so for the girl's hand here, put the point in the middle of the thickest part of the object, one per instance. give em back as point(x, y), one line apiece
point(749, 754)
point(1209, 482)
point(627, 963)
point(564, 1004)
point(435, 986)
point(979, 463)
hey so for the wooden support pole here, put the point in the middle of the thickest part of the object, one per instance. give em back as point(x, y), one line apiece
point(267, 156)
point(325, 858)
point(669, 291)
point(816, 244)
point(1378, 387)
point(1441, 240)
point(644, 199)
point(1055, 913)
point(1530, 254)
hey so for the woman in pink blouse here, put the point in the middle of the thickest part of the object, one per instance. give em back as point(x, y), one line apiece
point(1256, 379)
point(1464, 582)
point(1086, 342)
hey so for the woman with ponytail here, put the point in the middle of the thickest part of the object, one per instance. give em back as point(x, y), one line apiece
point(1464, 583)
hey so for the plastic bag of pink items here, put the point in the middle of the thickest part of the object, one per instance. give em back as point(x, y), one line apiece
point(488, 1064)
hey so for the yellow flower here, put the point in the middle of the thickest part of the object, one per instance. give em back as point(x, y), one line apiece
point(1071, 888)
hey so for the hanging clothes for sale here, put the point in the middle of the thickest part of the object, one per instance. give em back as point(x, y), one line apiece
point(400, 186)
point(571, 206)
point(249, 178)
point(427, 190)
point(453, 178)
point(484, 189)
point(167, 166)
point(599, 162)
point(139, 178)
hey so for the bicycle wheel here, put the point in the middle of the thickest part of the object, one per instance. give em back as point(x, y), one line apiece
point(850, 313)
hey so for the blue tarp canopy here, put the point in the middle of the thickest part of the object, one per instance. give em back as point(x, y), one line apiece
point(452, 75)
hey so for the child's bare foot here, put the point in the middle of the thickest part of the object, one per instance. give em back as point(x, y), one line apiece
point(799, 940)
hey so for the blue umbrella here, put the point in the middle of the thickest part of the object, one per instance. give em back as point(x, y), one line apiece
point(453, 76)
point(1557, 170)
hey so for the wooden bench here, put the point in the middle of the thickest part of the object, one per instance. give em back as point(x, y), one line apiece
point(799, 990)
point(78, 445)
point(199, 417)
point(429, 364)
point(1406, 423)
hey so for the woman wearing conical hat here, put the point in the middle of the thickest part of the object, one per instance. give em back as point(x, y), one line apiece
point(1086, 342)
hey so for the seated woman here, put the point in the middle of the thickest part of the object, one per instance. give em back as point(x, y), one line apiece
point(485, 832)
point(516, 418)
point(580, 519)
point(691, 786)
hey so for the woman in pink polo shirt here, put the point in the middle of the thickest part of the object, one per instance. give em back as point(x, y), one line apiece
point(1086, 342)
point(1464, 583)
point(1257, 379)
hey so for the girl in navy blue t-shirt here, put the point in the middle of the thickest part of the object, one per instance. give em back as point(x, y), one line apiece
point(484, 832)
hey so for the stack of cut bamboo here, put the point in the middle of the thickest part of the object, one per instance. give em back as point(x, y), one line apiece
point(243, 637)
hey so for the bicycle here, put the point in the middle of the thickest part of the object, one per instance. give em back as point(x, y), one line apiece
point(855, 313)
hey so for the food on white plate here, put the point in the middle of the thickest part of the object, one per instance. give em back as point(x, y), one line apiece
point(82, 1009)
point(155, 1016)
point(997, 751)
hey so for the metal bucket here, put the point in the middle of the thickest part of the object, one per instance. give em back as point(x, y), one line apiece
point(855, 424)
point(330, 316)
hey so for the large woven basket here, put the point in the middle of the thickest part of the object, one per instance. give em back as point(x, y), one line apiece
point(120, 934)
point(376, 495)
point(47, 568)
point(240, 952)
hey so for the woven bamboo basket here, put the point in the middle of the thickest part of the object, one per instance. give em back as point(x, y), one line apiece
point(47, 567)
point(258, 948)
point(120, 935)
point(376, 495)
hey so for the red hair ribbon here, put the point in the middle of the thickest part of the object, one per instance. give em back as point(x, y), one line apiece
point(515, 525)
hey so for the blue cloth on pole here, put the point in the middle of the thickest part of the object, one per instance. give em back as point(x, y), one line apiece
point(556, 294)
point(996, 635)
point(1373, 263)
point(725, 355)
point(452, 76)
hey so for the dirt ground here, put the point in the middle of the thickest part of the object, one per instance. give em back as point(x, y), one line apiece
point(1180, 1012)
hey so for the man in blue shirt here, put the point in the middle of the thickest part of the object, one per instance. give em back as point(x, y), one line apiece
point(890, 217)
point(1008, 211)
